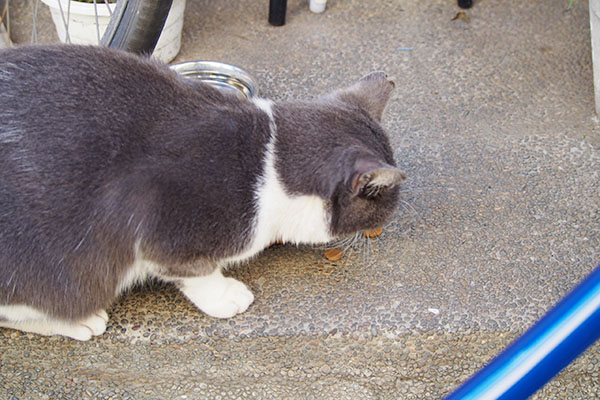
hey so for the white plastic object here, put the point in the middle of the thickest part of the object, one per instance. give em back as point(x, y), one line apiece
point(4, 38)
point(81, 20)
point(317, 6)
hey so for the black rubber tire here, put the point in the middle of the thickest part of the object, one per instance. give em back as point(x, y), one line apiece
point(136, 25)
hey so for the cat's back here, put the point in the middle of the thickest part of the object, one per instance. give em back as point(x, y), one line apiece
point(63, 68)
point(89, 103)
point(75, 118)
point(59, 81)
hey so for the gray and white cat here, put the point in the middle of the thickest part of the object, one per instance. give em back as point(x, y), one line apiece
point(113, 170)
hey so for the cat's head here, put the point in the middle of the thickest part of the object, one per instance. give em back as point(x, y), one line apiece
point(337, 150)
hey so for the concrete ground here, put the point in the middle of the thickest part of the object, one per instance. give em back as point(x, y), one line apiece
point(493, 121)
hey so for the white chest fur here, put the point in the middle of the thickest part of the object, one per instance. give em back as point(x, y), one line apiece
point(281, 216)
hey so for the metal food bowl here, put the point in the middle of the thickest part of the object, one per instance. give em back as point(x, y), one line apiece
point(226, 77)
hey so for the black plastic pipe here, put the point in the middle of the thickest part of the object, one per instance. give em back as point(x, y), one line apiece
point(277, 10)
point(465, 3)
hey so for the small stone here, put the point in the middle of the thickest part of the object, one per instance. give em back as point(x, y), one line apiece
point(326, 369)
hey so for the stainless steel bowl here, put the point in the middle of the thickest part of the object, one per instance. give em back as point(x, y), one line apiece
point(223, 76)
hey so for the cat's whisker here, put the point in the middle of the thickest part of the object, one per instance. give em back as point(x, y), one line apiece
point(343, 244)
point(367, 250)
point(408, 207)
point(353, 241)
point(350, 240)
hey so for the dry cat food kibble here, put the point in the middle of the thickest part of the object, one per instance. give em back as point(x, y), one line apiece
point(333, 254)
point(336, 254)
point(373, 233)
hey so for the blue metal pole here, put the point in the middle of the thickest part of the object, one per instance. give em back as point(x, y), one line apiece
point(551, 344)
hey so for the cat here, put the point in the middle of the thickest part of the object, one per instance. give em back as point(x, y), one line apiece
point(114, 170)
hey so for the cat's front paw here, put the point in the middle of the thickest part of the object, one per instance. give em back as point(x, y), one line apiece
point(96, 323)
point(87, 328)
point(235, 299)
point(218, 296)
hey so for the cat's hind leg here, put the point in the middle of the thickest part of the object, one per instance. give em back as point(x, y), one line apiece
point(217, 295)
point(27, 319)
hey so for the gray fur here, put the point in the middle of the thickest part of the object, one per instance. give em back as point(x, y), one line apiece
point(100, 150)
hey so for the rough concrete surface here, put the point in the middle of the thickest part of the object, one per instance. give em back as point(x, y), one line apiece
point(492, 119)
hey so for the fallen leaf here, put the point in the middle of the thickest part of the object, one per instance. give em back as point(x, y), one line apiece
point(461, 15)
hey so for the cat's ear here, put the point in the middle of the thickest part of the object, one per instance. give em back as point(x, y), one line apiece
point(371, 92)
point(369, 177)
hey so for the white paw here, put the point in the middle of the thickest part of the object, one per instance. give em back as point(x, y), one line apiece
point(80, 330)
point(86, 328)
point(235, 299)
point(76, 331)
point(96, 323)
point(218, 296)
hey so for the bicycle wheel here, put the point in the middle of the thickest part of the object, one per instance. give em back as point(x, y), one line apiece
point(132, 25)
point(136, 25)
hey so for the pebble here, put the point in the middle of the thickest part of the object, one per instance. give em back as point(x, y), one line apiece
point(326, 369)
